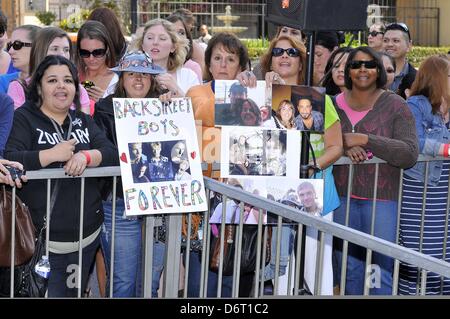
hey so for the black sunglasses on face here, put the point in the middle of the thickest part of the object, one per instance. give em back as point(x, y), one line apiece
point(355, 64)
point(97, 53)
point(375, 33)
point(399, 26)
point(292, 52)
point(390, 71)
point(17, 45)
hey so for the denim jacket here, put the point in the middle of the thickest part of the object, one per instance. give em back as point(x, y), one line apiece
point(432, 132)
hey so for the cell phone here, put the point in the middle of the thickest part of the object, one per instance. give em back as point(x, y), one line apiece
point(87, 84)
point(15, 172)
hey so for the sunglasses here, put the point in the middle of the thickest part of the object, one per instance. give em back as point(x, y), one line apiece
point(375, 33)
point(390, 71)
point(355, 64)
point(292, 52)
point(398, 26)
point(17, 45)
point(97, 53)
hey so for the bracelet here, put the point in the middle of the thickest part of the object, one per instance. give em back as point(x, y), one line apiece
point(446, 151)
point(88, 157)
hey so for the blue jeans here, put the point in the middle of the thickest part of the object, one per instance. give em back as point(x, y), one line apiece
point(194, 279)
point(286, 246)
point(63, 278)
point(127, 249)
point(360, 218)
point(159, 250)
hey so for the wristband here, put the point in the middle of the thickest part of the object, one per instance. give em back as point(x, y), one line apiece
point(88, 157)
point(445, 153)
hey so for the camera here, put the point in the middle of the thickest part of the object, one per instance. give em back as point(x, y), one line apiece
point(87, 84)
point(15, 172)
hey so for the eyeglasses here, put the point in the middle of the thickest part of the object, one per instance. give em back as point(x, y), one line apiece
point(375, 33)
point(355, 64)
point(97, 53)
point(17, 45)
point(292, 52)
point(399, 26)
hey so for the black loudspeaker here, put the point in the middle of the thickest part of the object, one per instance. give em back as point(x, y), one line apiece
point(319, 15)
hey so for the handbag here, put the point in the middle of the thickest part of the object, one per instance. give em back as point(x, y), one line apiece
point(248, 249)
point(24, 231)
point(27, 283)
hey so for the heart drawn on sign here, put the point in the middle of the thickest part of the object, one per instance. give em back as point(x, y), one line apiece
point(193, 154)
point(123, 158)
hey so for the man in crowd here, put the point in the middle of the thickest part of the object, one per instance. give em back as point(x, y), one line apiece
point(204, 35)
point(397, 43)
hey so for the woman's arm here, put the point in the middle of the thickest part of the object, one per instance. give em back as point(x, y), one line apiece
point(6, 119)
point(426, 145)
point(16, 92)
point(85, 102)
point(333, 145)
point(400, 150)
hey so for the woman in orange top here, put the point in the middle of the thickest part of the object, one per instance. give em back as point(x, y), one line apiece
point(225, 58)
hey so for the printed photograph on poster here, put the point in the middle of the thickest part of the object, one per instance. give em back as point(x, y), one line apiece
point(159, 156)
point(239, 105)
point(233, 211)
point(307, 102)
point(258, 152)
point(306, 195)
point(159, 161)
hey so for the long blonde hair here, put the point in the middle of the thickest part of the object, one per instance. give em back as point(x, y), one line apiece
point(178, 57)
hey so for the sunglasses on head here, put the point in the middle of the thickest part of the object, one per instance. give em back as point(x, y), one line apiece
point(398, 26)
point(375, 33)
point(355, 64)
point(97, 53)
point(292, 52)
point(17, 45)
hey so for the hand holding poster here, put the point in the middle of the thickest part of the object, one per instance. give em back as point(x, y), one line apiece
point(159, 156)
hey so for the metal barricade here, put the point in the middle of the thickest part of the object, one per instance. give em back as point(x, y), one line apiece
point(175, 261)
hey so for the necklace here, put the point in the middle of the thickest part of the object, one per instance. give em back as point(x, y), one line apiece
point(59, 130)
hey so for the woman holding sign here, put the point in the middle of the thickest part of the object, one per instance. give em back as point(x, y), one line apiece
point(285, 63)
point(46, 133)
point(136, 80)
point(225, 58)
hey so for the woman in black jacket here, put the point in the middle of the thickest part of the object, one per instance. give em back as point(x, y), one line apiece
point(47, 134)
point(136, 80)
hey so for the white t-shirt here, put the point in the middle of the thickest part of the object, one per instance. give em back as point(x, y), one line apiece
point(186, 78)
point(111, 86)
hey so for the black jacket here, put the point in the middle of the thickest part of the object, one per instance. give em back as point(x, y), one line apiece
point(407, 81)
point(104, 118)
point(32, 132)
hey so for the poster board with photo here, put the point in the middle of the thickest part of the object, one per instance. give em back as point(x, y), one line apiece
point(308, 104)
point(259, 152)
point(305, 195)
point(232, 207)
point(159, 156)
point(239, 105)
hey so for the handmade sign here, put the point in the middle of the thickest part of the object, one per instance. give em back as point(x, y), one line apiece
point(159, 156)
